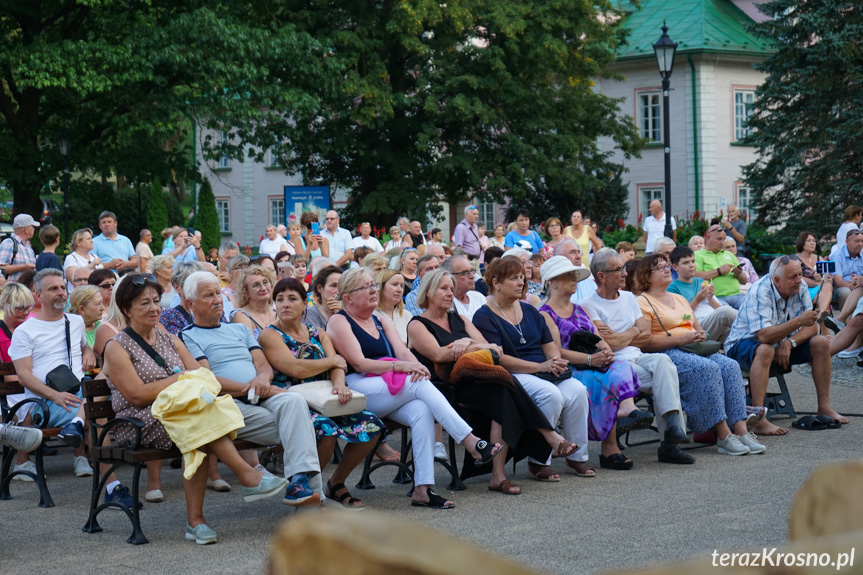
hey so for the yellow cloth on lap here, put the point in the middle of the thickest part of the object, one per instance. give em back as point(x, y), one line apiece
point(194, 415)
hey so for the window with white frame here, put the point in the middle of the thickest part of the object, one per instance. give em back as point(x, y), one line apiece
point(277, 211)
point(648, 194)
point(744, 197)
point(649, 110)
point(223, 209)
point(223, 162)
point(487, 213)
point(273, 157)
point(744, 104)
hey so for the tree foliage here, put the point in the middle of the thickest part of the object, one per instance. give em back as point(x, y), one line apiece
point(808, 126)
point(438, 101)
point(123, 77)
point(208, 218)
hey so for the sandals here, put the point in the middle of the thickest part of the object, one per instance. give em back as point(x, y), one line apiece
point(506, 487)
point(397, 456)
point(347, 502)
point(435, 502)
point(617, 461)
point(542, 472)
point(565, 448)
point(486, 450)
point(580, 468)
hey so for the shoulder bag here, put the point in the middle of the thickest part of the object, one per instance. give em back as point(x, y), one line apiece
point(319, 394)
point(62, 378)
point(702, 348)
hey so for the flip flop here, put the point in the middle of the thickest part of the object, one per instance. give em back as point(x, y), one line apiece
point(397, 456)
point(830, 422)
point(504, 487)
point(809, 423)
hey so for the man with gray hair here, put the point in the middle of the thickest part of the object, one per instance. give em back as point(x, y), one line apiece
point(465, 298)
point(272, 416)
point(227, 250)
point(570, 249)
point(621, 323)
point(16, 253)
point(466, 235)
point(776, 324)
point(664, 246)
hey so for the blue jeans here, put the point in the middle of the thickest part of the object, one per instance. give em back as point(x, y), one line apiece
point(58, 415)
point(734, 301)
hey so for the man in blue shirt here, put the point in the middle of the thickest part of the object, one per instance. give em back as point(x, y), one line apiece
point(272, 416)
point(848, 279)
point(115, 250)
point(776, 324)
point(522, 232)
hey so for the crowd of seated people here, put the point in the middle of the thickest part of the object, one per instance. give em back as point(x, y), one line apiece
point(527, 335)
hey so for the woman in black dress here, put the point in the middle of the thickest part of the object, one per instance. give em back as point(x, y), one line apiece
point(441, 339)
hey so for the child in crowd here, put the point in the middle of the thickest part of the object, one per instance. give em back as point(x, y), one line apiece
point(714, 316)
point(50, 237)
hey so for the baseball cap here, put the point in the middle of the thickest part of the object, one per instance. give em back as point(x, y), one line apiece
point(24, 220)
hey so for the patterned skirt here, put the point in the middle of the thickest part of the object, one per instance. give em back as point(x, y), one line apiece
point(355, 428)
point(605, 391)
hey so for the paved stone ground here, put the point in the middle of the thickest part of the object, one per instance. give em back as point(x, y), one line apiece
point(656, 513)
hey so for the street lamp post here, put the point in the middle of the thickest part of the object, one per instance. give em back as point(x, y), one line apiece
point(665, 49)
point(63, 143)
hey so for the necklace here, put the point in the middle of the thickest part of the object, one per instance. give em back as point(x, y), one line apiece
point(517, 327)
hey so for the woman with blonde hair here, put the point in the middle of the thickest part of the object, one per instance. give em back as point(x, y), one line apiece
point(113, 322)
point(80, 256)
point(87, 302)
point(255, 299)
point(375, 262)
point(163, 267)
point(391, 303)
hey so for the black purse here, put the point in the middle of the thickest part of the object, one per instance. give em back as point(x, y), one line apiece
point(62, 378)
point(585, 342)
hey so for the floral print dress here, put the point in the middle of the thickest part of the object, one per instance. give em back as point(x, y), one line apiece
point(355, 428)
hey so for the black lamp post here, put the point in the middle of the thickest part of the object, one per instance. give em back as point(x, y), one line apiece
point(63, 143)
point(665, 49)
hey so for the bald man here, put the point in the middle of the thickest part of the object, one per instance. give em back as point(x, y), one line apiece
point(654, 226)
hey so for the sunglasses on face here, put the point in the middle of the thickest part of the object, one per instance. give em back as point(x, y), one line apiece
point(107, 285)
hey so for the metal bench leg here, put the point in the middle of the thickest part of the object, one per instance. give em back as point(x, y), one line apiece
point(5, 479)
point(137, 537)
point(365, 481)
point(403, 477)
point(455, 484)
point(44, 496)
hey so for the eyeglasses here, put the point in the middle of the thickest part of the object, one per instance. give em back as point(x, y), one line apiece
point(472, 208)
point(662, 268)
point(371, 288)
point(330, 219)
point(259, 285)
point(465, 273)
point(614, 271)
point(785, 260)
point(24, 310)
point(714, 228)
point(80, 281)
point(107, 285)
point(408, 250)
point(141, 280)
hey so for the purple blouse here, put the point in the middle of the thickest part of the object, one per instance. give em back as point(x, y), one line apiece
point(578, 321)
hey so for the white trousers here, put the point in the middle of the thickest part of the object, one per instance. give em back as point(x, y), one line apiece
point(658, 376)
point(566, 401)
point(418, 405)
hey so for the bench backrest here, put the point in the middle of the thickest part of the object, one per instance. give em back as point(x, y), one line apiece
point(97, 399)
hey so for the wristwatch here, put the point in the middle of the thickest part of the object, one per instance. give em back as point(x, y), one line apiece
point(793, 342)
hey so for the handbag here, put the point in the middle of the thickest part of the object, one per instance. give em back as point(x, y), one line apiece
point(62, 378)
point(702, 348)
point(320, 397)
point(585, 342)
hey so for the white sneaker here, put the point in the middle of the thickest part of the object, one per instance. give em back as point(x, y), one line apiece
point(850, 353)
point(440, 451)
point(731, 445)
point(82, 466)
point(27, 466)
point(262, 469)
point(750, 440)
point(20, 438)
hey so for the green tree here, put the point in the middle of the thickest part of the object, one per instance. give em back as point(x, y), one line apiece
point(807, 123)
point(438, 101)
point(208, 218)
point(157, 215)
point(123, 77)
